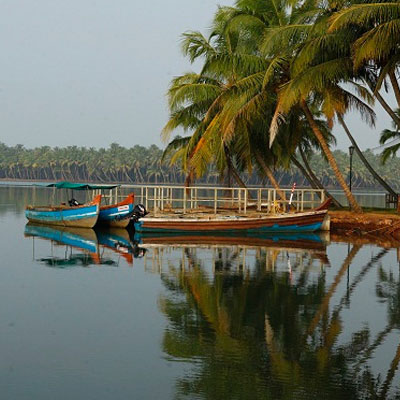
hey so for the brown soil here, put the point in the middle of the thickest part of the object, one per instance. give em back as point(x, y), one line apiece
point(378, 226)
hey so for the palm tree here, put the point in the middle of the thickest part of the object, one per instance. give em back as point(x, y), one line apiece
point(376, 43)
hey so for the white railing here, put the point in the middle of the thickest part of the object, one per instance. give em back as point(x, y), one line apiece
point(185, 199)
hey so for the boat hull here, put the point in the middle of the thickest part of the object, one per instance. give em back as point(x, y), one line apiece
point(303, 222)
point(79, 217)
point(117, 215)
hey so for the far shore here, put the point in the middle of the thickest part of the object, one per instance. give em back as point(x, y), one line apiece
point(335, 190)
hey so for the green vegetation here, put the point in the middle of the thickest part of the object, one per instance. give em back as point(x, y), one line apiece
point(275, 77)
point(143, 165)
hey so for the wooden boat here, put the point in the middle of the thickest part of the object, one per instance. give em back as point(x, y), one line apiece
point(117, 215)
point(82, 216)
point(310, 221)
point(113, 215)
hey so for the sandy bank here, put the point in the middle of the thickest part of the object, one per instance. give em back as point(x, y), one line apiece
point(380, 225)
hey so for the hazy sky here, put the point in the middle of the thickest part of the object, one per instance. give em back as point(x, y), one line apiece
point(93, 72)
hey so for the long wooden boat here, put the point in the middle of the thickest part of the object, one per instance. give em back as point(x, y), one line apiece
point(299, 222)
point(117, 215)
point(82, 216)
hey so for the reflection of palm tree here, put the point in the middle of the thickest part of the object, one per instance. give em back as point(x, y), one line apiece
point(251, 322)
point(326, 300)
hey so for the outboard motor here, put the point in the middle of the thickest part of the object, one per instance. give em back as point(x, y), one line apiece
point(73, 203)
point(139, 211)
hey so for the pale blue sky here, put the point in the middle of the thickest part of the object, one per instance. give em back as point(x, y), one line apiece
point(92, 72)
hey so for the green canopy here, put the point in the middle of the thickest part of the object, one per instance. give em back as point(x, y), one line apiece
point(80, 186)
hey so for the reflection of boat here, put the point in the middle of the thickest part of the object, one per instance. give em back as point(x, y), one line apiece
point(119, 241)
point(84, 216)
point(90, 244)
point(299, 222)
point(84, 240)
point(309, 242)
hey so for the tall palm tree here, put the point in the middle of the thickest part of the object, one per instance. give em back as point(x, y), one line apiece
point(376, 43)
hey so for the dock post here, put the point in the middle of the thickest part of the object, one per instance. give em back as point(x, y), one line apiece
point(147, 198)
point(141, 195)
point(155, 200)
point(245, 201)
point(269, 200)
point(274, 199)
point(184, 200)
point(302, 200)
point(259, 200)
point(215, 201)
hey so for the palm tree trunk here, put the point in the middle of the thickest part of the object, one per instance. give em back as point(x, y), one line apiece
point(332, 162)
point(316, 184)
point(363, 159)
point(395, 84)
point(310, 171)
point(233, 170)
point(385, 105)
point(297, 163)
point(267, 171)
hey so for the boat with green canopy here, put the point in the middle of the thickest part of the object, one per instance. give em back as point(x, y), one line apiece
point(114, 215)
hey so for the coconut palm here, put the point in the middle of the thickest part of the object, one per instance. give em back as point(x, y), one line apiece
point(376, 44)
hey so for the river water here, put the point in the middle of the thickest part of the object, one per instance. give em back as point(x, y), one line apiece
point(107, 315)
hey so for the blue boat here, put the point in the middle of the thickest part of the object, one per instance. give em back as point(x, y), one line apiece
point(81, 216)
point(117, 215)
point(113, 215)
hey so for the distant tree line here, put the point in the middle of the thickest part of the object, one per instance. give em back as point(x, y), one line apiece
point(140, 164)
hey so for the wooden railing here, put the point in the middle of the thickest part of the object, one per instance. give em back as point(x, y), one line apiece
point(184, 199)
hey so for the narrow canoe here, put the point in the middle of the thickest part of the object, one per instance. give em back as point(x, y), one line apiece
point(300, 222)
point(117, 215)
point(83, 216)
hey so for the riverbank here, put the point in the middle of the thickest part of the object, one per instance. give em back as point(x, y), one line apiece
point(384, 225)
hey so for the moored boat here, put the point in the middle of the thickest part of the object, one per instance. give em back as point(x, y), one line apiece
point(117, 215)
point(81, 216)
point(310, 221)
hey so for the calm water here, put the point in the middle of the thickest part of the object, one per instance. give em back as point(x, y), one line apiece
point(92, 315)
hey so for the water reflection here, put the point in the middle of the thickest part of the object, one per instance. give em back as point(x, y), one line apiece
point(261, 318)
point(84, 247)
